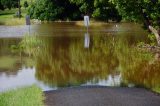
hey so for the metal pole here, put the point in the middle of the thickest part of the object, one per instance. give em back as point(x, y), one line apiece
point(29, 29)
point(87, 26)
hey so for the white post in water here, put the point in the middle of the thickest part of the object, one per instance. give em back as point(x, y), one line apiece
point(86, 22)
point(28, 22)
point(86, 40)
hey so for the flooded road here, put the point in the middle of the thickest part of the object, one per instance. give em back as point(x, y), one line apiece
point(61, 55)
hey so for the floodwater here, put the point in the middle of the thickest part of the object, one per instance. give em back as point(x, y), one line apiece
point(59, 55)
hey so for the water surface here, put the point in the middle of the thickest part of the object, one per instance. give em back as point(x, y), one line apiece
point(58, 55)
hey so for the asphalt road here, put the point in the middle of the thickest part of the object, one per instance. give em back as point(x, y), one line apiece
point(102, 96)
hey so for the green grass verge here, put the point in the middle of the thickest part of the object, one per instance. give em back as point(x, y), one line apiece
point(28, 96)
point(7, 17)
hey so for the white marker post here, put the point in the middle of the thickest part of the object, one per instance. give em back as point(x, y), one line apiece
point(28, 22)
point(86, 40)
point(86, 22)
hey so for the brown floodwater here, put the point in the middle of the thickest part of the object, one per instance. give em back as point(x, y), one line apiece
point(58, 55)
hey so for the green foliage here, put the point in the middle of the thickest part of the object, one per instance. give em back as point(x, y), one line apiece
point(7, 17)
point(145, 11)
point(1, 6)
point(140, 44)
point(8, 3)
point(105, 11)
point(85, 6)
point(152, 38)
point(73, 10)
point(44, 10)
point(25, 4)
point(29, 96)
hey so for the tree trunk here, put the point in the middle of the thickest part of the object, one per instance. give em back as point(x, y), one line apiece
point(155, 32)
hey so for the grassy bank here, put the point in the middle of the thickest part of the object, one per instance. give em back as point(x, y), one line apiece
point(7, 17)
point(29, 96)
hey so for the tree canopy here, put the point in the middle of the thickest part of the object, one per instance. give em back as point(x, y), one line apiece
point(8, 4)
point(144, 11)
point(25, 4)
point(1, 6)
point(73, 10)
point(147, 11)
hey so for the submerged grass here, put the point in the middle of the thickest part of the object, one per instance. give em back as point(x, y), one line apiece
point(28, 96)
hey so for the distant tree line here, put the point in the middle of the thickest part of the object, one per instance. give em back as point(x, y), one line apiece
point(73, 10)
point(8, 4)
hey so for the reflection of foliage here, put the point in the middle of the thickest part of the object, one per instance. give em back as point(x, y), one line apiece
point(9, 65)
point(100, 57)
point(11, 57)
point(63, 61)
point(140, 69)
point(62, 69)
point(143, 74)
point(5, 44)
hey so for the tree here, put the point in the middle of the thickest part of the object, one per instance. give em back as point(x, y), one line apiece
point(85, 6)
point(70, 11)
point(7, 3)
point(98, 9)
point(144, 11)
point(45, 10)
point(54, 10)
point(19, 8)
point(1, 6)
point(25, 4)
point(73, 10)
point(105, 10)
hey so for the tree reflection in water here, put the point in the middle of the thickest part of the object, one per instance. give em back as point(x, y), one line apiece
point(64, 61)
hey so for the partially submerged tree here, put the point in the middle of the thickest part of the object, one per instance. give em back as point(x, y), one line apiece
point(146, 11)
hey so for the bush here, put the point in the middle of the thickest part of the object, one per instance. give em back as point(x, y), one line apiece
point(52, 10)
point(44, 10)
point(25, 4)
point(106, 11)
